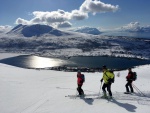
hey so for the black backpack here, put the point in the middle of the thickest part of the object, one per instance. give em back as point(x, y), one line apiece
point(134, 76)
point(83, 78)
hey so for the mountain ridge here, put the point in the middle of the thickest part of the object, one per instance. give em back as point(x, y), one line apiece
point(36, 30)
point(55, 43)
point(88, 30)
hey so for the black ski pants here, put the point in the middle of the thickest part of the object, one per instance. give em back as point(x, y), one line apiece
point(80, 90)
point(129, 84)
point(108, 86)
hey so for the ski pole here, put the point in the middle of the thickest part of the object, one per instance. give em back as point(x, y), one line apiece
point(141, 91)
point(77, 91)
point(100, 88)
point(138, 90)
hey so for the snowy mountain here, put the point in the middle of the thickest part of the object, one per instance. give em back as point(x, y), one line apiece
point(36, 30)
point(77, 45)
point(88, 30)
point(46, 41)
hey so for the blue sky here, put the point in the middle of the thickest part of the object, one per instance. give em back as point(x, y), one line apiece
point(106, 14)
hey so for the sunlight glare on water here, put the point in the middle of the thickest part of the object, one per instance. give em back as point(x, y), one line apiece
point(41, 62)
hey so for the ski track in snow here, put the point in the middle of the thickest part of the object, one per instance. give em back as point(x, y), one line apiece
point(117, 96)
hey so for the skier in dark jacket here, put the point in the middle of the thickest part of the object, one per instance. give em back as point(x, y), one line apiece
point(129, 78)
point(80, 80)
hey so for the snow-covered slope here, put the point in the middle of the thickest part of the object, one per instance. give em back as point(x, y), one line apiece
point(44, 91)
point(77, 45)
point(88, 30)
point(36, 30)
point(46, 41)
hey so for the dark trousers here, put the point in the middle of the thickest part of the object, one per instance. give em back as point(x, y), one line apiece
point(80, 90)
point(108, 86)
point(129, 84)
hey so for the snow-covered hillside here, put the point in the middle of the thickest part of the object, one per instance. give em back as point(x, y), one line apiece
point(71, 43)
point(35, 30)
point(77, 45)
point(44, 91)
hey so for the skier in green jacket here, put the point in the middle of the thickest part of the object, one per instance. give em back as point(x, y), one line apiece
point(108, 79)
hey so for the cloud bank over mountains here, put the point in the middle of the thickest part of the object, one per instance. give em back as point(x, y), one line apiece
point(4, 29)
point(61, 18)
point(135, 27)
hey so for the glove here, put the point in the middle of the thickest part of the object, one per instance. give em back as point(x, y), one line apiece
point(110, 80)
point(101, 80)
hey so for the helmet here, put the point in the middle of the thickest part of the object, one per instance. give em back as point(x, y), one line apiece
point(79, 71)
point(104, 67)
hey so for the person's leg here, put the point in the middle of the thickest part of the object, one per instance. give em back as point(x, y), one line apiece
point(131, 88)
point(127, 89)
point(104, 89)
point(109, 90)
point(80, 91)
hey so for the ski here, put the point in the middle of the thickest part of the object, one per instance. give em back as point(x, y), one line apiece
point(78, 96)
point(85, 95)
point(73, 96)
point(127, 93)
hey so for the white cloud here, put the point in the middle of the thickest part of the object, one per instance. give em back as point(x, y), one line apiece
point(64, 24)
point(5, 29)
point(96, 6)
point(51, 17)
point(78, 15)
point(60, 17)
point(131, 26)
point(22, 21)
point(135, 27)
point(46, 17)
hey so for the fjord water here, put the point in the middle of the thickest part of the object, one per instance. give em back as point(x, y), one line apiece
point(128, 34)
point(30, 61)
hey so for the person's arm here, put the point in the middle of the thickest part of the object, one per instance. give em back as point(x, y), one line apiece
point(128, 77)
point(77, 75)
point(101, 80)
